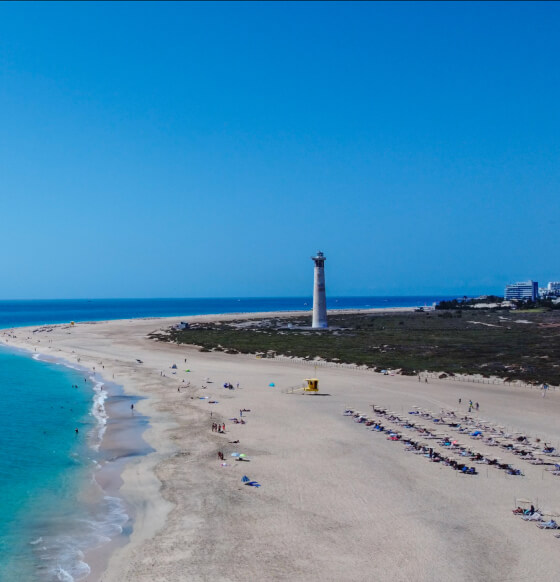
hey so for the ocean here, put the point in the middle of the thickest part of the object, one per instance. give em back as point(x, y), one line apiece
point(29, 312)
point(51, 509)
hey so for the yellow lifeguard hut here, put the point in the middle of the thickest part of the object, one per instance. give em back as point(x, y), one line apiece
point(312, 385)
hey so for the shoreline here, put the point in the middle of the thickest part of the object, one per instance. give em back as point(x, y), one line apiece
point(118, 446)
point(323, 479)
point(113, 452)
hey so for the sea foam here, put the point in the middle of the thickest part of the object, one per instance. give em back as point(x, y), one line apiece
point(99, 412)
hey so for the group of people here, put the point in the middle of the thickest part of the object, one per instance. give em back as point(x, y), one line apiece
point(428, 452)
point(217, 427)
point(413, 445)
point(536, 515)
point(472, 405)
point(466, 426)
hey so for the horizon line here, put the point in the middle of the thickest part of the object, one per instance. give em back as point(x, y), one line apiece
point(237, 297)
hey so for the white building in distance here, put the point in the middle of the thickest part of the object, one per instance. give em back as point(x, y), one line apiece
point(553, 288)
point(522, 291)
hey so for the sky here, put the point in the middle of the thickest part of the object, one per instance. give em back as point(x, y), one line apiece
point(210, 149)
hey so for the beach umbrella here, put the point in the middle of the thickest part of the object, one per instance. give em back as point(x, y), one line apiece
point(272, 384)
point(245, 479)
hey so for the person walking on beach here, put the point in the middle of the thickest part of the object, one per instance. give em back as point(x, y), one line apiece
point(476, 406)
point(132, 407)
point(460, 399)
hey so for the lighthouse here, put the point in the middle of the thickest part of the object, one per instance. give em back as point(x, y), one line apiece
point(319, 296)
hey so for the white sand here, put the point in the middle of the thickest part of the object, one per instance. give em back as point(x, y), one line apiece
point(337, 502)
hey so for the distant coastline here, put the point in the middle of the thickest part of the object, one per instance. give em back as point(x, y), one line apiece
point(22, 313)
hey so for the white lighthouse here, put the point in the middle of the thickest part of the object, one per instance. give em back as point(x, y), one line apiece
point(319, 296)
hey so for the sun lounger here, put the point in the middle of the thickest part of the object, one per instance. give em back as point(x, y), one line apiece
point(535, 517)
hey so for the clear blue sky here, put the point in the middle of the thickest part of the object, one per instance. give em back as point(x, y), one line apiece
point(207, 150)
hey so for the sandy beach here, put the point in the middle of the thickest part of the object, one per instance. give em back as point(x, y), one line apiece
point(337, 501)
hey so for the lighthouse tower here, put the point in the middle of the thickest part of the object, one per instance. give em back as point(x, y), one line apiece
point(319, 296)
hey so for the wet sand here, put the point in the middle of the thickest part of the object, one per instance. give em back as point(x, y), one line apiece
point(337, 501)
point(122, 442)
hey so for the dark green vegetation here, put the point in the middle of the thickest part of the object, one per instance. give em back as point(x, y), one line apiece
point(524, 346)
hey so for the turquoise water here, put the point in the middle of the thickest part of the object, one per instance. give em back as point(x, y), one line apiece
point(43, 467)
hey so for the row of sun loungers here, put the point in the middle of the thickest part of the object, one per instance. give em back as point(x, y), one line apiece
point(427, 434)
point(410, 444)
point(491, 435)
